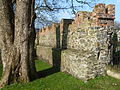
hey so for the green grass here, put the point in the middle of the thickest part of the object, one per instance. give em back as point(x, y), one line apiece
point(62, 81)
point(40, 65)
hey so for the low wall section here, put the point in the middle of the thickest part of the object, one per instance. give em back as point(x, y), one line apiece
point(86, 54)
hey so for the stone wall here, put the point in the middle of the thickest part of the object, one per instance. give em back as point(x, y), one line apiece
point(79, 47)
point(118, 34)
point(47, 35)
point(102, 15)
point(45, 53)
point(87, 53)
point(50, 38)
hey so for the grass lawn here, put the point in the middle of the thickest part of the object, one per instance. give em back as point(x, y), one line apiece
point(62, 81)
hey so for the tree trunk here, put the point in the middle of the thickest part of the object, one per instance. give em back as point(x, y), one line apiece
point(32, 42)
point(17, 50)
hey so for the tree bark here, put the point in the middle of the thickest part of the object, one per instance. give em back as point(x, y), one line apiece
point(17, 50)
point(32, 42)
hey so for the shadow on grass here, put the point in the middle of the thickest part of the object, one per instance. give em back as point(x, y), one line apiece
point(47, 72)
point(56, 56)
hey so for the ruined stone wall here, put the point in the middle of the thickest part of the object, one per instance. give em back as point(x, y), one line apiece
point(118, 34)
point(46, 42)
point(80, 46)
point(47, 35)
point(102, 15)
point(87, 53)
point(45, 53)
point(52, 37)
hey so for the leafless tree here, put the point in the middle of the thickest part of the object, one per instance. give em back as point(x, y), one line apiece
point(47, 10)
point(17, 36)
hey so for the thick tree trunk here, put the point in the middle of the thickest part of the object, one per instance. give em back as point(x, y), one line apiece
point(6, 32)
point(17, 51)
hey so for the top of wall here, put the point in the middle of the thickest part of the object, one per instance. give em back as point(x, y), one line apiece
point(101, 16)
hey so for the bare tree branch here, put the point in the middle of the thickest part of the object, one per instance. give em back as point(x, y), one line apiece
point(48, 5)
point(84, 2)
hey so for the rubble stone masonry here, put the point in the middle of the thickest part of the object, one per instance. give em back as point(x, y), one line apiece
point(80, 46)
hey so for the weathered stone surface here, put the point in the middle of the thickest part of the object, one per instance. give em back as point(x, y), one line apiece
point(80, 64)
point(48, 40)
point(118, 34)
point(49, 36)
point(87, 53)
point(113, 74)
point(49, 55)
point(79, 47)
point(82, 39)
point(45, 53)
